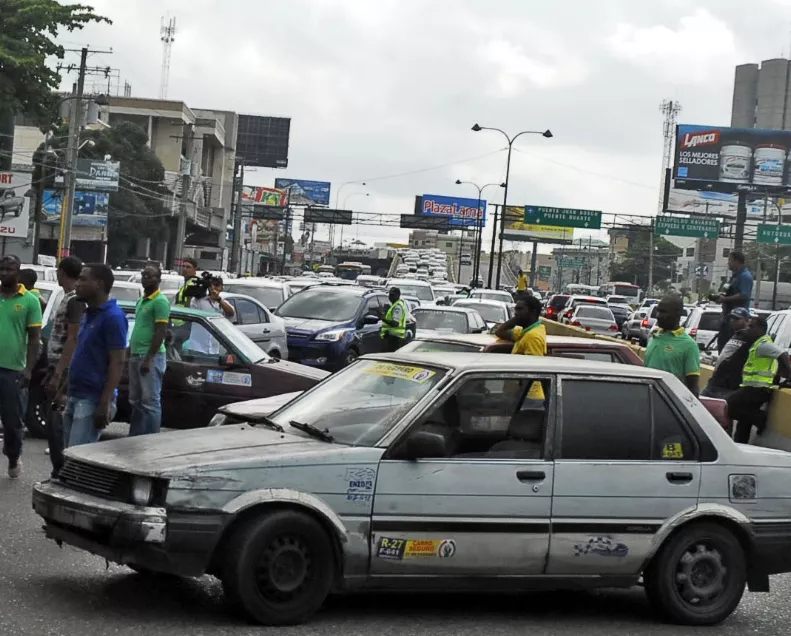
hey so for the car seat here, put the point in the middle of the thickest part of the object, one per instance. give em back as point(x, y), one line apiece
point(446, 422)
point(525, 437)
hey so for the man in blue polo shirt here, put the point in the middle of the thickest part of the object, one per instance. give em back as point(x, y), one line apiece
point(98, 360)
point(736, 294)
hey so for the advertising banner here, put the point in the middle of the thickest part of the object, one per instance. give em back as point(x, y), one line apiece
point(720, 204)
point(732, 159)
point(517, 230)
point(16, 195)
point(93, 174)
point(303, 192)
point(263, 196)
point(460, 211)
point(90, 208)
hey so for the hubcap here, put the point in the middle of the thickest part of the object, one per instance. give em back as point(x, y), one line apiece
point(285, 568)
point(701, 575)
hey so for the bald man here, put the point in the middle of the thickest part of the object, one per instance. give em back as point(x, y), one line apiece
point(672, 349)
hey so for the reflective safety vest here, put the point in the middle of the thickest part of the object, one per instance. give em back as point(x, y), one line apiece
point(182, 300)
point(400, 331)
point(759, 371)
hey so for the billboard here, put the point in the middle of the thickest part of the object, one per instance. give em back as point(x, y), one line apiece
point(323, 215)
point(515, 229)
point(303, 192)
point(732, 159)
point(94, 174)
point(90, 208)
point(719, 204)
point(263, 141)
point(460, 211)
point(263, 196)
point(16, 196)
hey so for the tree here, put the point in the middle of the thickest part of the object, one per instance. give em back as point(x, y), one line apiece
point(633, 268)
point(139, 209)
point(28, 29)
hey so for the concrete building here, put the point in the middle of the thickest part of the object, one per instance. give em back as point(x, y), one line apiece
point(454, 245)
point(586, 261)
point(762, 95)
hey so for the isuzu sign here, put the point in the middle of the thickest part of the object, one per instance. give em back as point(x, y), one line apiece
point(732, 159)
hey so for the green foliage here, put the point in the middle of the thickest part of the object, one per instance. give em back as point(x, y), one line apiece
point(633, 268)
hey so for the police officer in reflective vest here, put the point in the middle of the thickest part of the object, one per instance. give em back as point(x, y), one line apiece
point(765, 360)
point(190, 271)
point(393, 330)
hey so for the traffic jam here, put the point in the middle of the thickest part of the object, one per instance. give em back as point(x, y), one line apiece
point(341, 431)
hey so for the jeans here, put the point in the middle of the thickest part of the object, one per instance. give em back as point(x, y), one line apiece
point(145, 395)
point(745, 406)
point(13, 402)
point(78, 426)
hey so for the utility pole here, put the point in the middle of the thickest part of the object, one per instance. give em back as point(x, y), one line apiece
point(236, 244)
point(494, 238)
point(287, 229)
point(186, 181)
point(75, 124)
point(650, 258)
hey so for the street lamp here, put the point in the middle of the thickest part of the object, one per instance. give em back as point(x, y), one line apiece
point(348, 196)
point(546, 134)
point(476, 270)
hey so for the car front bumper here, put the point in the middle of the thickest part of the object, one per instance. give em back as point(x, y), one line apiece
point(148, 537)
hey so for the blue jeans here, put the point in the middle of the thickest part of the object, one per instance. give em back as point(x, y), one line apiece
point(13, 402)
point(145, 395)
point(78, 426)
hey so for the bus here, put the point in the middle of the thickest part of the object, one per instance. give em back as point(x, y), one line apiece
point(351, 270)
point(634, 295)
point(577, 289)
point(326, 269)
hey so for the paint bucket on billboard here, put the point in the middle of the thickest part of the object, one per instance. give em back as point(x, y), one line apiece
point(735, 162)
point(769, 165)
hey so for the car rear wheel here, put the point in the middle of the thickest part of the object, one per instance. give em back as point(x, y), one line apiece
point(698, 576)
point(351, 356)
point(275, 354)
point(37, 416)
point(278, 568)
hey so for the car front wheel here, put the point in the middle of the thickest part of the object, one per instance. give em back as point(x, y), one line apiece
point(278, 568)
point(698, 576)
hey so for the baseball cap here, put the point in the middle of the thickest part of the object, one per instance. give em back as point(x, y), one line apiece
point(739, 312)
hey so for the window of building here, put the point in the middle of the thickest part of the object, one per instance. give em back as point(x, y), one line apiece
point(448, 244)
point(690, 251)
point(726, 252)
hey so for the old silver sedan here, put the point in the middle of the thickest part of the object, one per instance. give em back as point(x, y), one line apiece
point(439, 470)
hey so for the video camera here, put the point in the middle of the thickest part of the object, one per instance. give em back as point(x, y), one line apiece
point(200, 287)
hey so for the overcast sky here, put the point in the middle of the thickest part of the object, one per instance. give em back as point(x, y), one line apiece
point(377, 88)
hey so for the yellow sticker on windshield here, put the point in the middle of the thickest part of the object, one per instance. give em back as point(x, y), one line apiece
point(672, 451)
point(401, 372)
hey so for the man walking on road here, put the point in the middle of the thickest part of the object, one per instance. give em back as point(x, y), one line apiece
point(764, 361)
point(20, 333)
point(393, 330)
point(736, 294)
point(60, 349)
point(672, 349)
point(147, 360)
point(98, 360)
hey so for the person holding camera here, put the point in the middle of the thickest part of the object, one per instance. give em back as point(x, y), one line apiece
point(211, 299)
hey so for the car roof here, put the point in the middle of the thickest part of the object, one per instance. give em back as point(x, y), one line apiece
point(482, 301)
point(447, 309)
point(410, 281)
point(352, 289)
point(485, 339)
point(480, 361)
point(127, 284)
point(129, 307)
point(256, 282)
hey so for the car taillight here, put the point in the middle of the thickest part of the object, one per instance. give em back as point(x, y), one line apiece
point(693, 332)
point(645, 322)
point(613, 327)
point(550, 310)
point(576, 323)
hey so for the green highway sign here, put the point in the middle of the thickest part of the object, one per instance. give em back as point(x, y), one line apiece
point(564, 261)
point(698, 227)
point(775, 234)
point(562, 217)
point(544, 272)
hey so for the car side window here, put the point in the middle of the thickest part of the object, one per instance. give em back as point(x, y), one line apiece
point(582, 354)
point(671, 441)
point(247, 312)
point(190, 341)
point(618, 428)
point(493, 418)
point(262, 315)
point(372, 307)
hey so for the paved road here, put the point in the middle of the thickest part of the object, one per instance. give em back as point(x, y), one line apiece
point(47, 591)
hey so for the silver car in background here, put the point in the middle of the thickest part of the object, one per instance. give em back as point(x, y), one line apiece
point(596, 319)
point(268, 292)
point(259, 324)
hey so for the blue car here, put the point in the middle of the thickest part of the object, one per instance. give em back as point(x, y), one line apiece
point(329, 326)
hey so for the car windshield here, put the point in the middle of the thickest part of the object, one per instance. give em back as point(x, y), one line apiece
point(430, 346)
point(618, 300)
point(45, 294)
point(436, 320)
point(620, 311)
point(360, 404)
point(268, 296)
point(423, 292)
point(250, 351)
point(710, 321)
point(321, 304)
point(592, 311)
point(558, 301)
point(125, 293)
point(492, 295)
point(490, 313)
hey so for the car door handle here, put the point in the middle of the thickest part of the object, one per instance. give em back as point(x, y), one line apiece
point(265, 331)
point(530, 475)
point(679, 478)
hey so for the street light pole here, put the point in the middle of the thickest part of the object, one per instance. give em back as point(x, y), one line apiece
point(476, 269)
point(548, 135)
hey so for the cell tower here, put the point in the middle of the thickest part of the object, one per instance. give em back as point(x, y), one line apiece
point(167, 33)
point(670, 109)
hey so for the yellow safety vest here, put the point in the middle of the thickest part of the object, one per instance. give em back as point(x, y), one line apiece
point(182, 300)
point(400, 331)
point(759, 371)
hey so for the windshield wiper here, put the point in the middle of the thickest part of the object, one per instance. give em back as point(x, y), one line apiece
point(313, 431)
point(266, 421)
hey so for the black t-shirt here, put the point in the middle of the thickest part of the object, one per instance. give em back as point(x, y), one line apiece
point(728, 370)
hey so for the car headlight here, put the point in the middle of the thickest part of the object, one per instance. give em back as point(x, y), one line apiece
point(335, 335)
point(141, 490)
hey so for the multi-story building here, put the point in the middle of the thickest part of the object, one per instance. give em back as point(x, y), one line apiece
point(454, 245)
point(762, 95)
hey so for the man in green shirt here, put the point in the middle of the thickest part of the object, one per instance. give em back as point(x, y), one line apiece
point(672, 349)
point(20, 337)
point(147, 355)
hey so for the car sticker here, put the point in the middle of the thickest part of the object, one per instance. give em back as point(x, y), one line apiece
point(401, 372)
point(361, 483)
point(672, 451)
point(400, 549)
point(229, 378)
point(601, 546)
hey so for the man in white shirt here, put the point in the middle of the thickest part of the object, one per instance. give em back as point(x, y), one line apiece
point(201, 341)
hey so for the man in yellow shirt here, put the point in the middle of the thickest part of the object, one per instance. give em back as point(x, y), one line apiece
point(528, 334)
point(521, 282)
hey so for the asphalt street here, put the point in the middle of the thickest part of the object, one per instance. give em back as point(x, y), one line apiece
point(46, 590)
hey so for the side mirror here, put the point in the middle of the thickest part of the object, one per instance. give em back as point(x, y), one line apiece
point(371, 319)
point(425, 443)
point(273, 309)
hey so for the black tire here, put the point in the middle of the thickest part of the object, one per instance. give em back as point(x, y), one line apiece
point(275, 355)
point(698, 576)
point(287, 545)
point(37, 416)
point(351, 355)
point(140, 570)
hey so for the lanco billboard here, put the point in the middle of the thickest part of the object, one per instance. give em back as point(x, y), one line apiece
point(732, 159)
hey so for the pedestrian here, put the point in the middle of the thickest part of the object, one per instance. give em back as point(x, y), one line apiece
point(147, 355)
point(528, 334)
point(672, 349)
point(727, 376)
point(393, 329)
point(212, 300)
point(98, 360)
point(29, 278)
point(737, 293)
point(189, 270)
point(20, 326)
point(61, 344)
point(764, 361)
